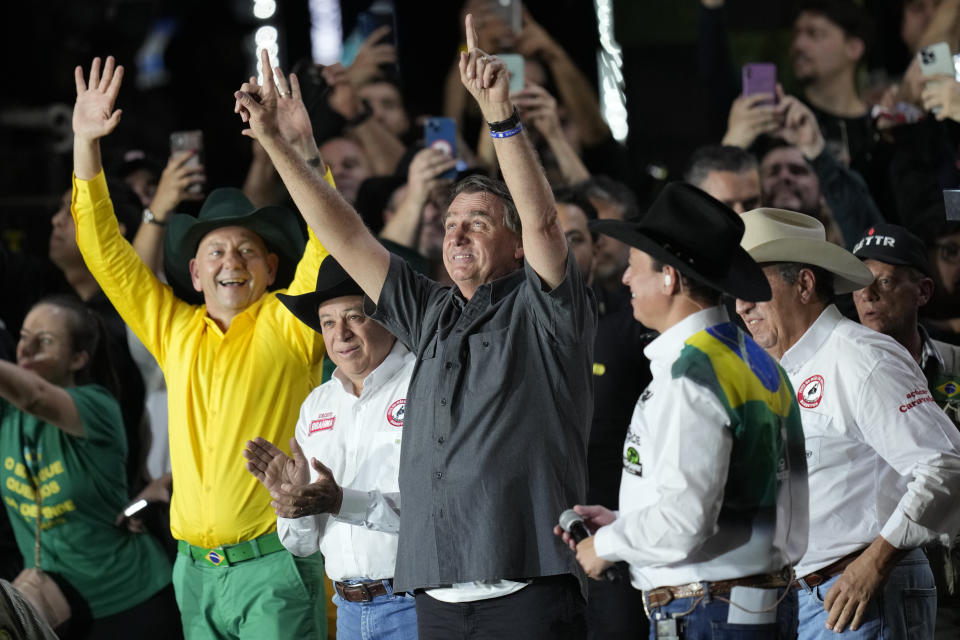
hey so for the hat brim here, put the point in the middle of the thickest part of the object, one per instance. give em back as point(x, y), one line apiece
point(849, 272)
point(305, 305)
point(743, 277)
point(276, 226)
point(865, 254)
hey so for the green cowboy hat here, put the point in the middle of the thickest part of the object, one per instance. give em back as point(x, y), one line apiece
point(278, 227)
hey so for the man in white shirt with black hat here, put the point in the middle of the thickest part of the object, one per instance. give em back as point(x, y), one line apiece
point(345, 502)
point(883, 460)
point(713, 495)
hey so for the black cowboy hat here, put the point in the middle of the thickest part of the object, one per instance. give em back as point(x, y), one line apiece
point(228, 207)
point(699, 236)
point(332, 282)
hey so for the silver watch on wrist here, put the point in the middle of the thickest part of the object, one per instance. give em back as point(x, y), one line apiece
point(148, 216)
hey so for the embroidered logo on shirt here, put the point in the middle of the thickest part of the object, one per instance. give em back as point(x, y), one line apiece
point(916, 398)
point(631, 455)
point(949, 388)
point(811, 392)
point(323, 422)
point(396, 411)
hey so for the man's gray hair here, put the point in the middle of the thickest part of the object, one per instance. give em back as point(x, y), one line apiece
point(823, 279)
point(482, 184)
point(717, 157)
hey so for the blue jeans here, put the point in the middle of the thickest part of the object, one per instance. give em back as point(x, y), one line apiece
point(708, 620)
point(904, 609)
point(387, 617)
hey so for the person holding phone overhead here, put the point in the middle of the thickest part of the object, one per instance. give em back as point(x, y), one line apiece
point(64, 450)
point(236, 366)
point(483, 477)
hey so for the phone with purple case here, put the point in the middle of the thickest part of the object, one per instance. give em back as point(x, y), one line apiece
point(441, 133)
point(760, 77)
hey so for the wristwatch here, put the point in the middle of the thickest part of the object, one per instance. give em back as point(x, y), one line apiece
point(506, 125)
point(148, 216)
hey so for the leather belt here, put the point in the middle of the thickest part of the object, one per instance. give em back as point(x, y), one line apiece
point(820, 576)
point(362, 591)
point(662, 596)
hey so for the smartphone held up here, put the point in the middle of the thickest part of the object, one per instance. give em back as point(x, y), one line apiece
point(441, 133)
point(760, 77)
point(189, 141)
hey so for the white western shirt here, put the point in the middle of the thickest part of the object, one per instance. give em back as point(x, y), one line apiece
point(667, 527)
point(359, 440)
point(882, 457)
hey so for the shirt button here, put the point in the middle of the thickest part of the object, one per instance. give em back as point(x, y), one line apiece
point(443, 402)
point(448, 365)
point(439, 475)
point(440, 440)
point(486, 343)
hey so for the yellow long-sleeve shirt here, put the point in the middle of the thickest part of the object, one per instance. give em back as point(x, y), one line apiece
point(223, 388)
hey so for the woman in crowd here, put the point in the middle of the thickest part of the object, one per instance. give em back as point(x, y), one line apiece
point(63, 452)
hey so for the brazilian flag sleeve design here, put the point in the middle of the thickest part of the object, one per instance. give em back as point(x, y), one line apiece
point(764, 417)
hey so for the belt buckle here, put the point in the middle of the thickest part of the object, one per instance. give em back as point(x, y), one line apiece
point(217, 557)
point(659, 592)
point(366, 596)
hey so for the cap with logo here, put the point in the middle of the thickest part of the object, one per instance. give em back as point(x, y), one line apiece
point(893, 244)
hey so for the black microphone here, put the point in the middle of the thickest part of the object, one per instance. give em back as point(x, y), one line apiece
point(572, 523)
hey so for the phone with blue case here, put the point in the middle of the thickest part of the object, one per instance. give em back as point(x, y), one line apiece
point(441, 133)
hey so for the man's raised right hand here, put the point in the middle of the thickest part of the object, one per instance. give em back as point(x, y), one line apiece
point(93, 114)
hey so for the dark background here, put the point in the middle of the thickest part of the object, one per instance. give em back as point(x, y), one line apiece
point(670, 107)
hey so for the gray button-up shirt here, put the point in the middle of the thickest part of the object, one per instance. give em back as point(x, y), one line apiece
point(497, 419)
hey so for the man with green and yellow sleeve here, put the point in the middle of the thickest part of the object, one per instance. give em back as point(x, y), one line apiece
point(713, 495)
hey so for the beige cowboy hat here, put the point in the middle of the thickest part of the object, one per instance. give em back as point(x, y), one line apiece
point(777, 235)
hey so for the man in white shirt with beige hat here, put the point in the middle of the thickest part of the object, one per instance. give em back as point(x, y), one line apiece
point(883, 460)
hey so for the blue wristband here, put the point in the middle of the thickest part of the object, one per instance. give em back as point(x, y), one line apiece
point(509, 132)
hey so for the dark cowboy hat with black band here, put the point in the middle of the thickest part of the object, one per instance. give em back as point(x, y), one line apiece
point(228, 207)
point(697, 235)
point(332, 282)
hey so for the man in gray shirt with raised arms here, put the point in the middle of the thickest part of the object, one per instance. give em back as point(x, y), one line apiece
point(500, 401)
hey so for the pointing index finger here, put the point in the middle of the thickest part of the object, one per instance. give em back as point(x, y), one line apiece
point(472, 38)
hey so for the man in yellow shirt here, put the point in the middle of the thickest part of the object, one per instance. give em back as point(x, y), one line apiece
point(237, 366)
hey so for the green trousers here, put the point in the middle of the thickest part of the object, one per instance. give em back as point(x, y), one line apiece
point(273, 597)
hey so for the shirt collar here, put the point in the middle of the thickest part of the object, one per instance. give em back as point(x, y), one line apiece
point(812, 339)
point(247, 315)
point(929, 350)
point(380, 375)
point(491, 292)
point(669, 343)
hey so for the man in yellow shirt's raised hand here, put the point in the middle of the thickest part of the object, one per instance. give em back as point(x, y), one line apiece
point(236, 367)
